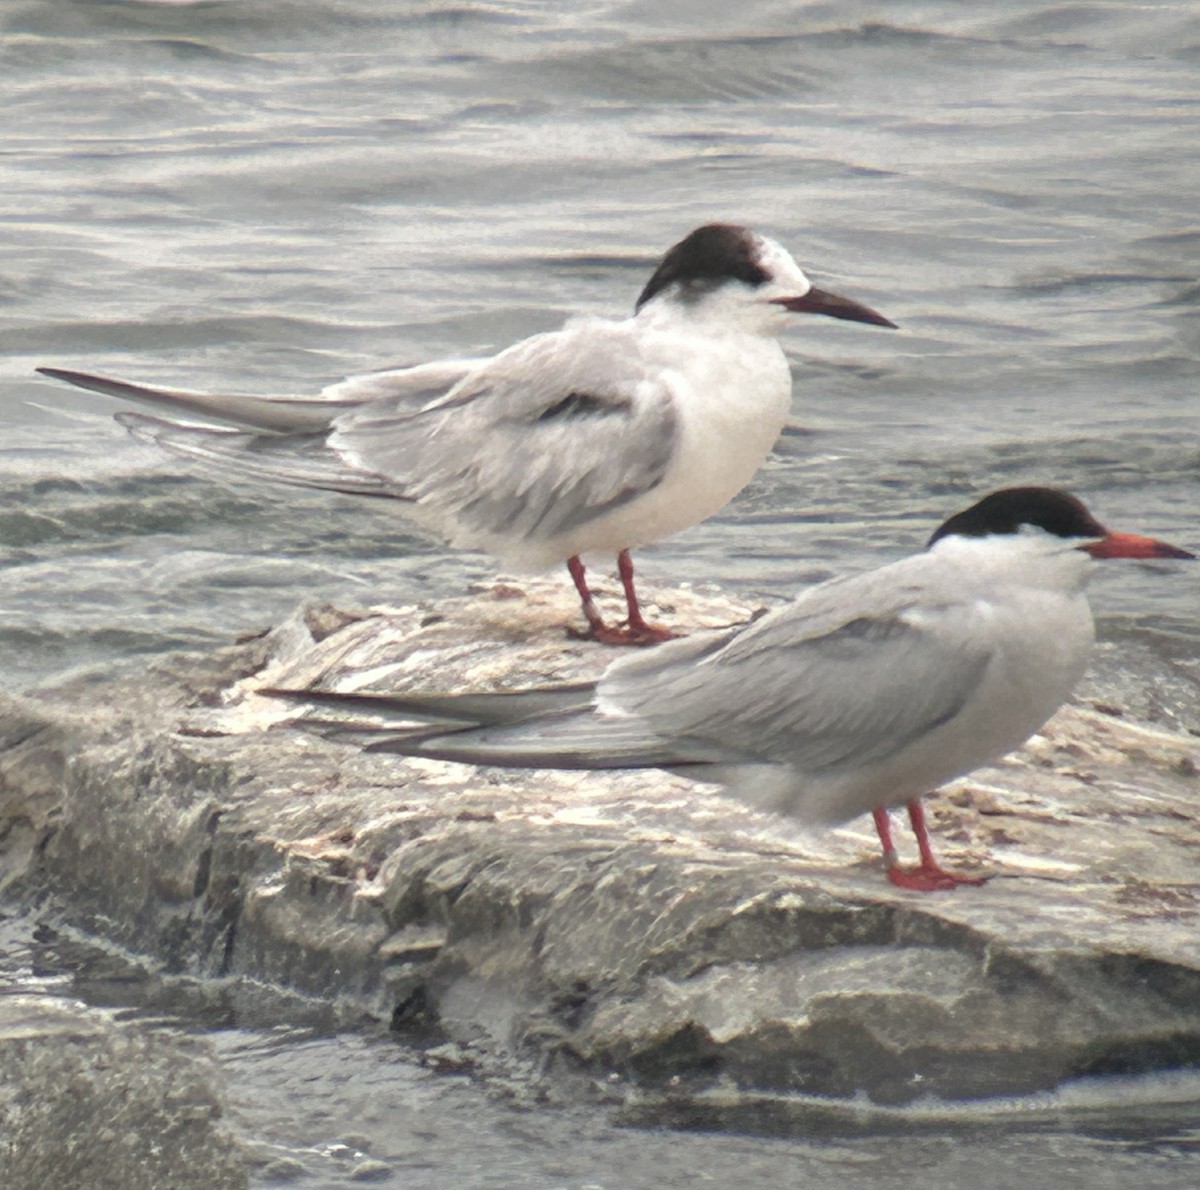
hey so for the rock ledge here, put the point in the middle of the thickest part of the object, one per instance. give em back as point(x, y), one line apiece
point(629, 923)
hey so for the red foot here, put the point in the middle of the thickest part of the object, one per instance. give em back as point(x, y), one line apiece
point(927, 876)
point(623, 634)
point(632, 631)
point(929, 879)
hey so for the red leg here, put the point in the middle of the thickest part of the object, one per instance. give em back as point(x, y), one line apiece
point(635, 630)
point(591, 613)
point(648, 633)
point(916, 815)
point(883, 828)
point(928, 875)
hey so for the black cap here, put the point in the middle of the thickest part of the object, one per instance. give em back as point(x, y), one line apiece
point(1005, 511)
point(706, 258)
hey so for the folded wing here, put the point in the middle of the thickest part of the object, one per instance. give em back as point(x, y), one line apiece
point(280, 415)
point(553, 727)
point(849, 676)
point(497, 453)
point(843, 678)
point(543, 438)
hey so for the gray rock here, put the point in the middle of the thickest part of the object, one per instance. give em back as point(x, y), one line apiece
point(633, 926)
point(88, 1101)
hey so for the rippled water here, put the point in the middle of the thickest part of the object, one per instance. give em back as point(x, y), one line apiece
point(265, 196)
point(321, 1110)
point(268, 194)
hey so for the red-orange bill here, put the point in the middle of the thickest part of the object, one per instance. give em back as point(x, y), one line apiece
point(1133, 545)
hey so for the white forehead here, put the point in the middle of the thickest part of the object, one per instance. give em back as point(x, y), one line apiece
point(785, 272)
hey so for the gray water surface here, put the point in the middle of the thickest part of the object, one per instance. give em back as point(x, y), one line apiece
point(322, 1109)
point(266, 195)
point(263, 197)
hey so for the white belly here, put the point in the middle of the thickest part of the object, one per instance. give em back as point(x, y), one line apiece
point(1025, 683)
point(732, 410)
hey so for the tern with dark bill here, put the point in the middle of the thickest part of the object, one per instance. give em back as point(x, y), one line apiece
point(594, 439)
point(864, 693)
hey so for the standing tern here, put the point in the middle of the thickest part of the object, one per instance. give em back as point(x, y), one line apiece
point(863, 693)
point(599, 437)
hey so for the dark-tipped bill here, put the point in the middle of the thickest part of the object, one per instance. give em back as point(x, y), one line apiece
point(821, 301)
point(1133, 545)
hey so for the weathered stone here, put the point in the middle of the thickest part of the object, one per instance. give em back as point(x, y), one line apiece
point(86, 1100)
point(625, 921)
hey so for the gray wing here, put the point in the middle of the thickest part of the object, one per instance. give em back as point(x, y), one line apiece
point(552, 727)
point(501, 707)
point(570, 740)
point(548, 435)
point(415, 386)
point(280, 415)
point(300, 460)
point(849, 675)
point(280, 439)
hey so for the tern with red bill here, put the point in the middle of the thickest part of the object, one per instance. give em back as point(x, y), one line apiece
point(864, 693)
point(597, 438)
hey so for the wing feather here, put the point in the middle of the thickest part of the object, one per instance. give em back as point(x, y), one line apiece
point(415, 386)
point(551, 727)
point(848, 677)
point(282, 415)
point(565, 740)
point(541, 439)
point(509, 706)
point(301, 460)
point(520, 448)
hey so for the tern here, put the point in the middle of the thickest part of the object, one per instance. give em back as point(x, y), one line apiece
point(597, 438)
point(863, 693)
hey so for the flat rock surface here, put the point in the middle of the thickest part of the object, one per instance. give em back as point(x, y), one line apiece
point(634, 924)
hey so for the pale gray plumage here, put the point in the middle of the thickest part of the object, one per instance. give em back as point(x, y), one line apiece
point(569, 436)
point(575, 424)
point(597, 438)
point(299, 459)
point(847, 676)
point(782, 689)
point(862, 693)
point(278, 415)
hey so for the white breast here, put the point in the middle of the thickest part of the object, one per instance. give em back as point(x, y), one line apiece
point(733, 393)
point(1039, 634)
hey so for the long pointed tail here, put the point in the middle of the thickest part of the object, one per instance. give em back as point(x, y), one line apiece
point(280, 415)
point(555, 727)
